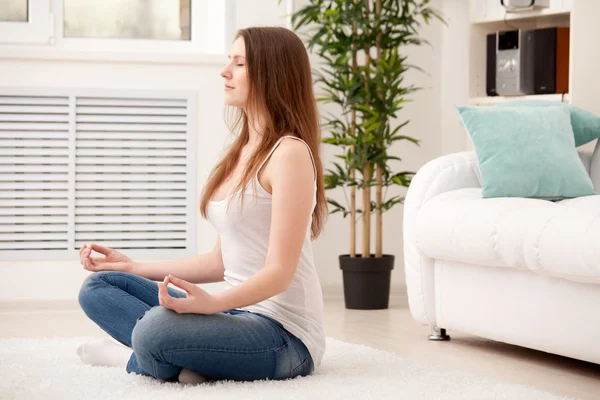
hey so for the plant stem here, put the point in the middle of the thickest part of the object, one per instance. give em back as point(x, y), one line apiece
point(379, 172)
point(366, 190)
point(352, 150)
point(366, 250)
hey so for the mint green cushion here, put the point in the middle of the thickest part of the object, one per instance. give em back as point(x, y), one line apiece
point(526, 152)
point(586, 125)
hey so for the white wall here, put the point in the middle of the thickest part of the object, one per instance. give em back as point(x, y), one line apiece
point(61, 280)
point(585, 84)
point(454, 86)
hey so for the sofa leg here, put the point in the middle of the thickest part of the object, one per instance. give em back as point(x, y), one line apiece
point(438, 334)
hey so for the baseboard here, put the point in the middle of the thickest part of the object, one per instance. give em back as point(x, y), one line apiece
point(36, 305)
point(337, 291)
point(332, 292)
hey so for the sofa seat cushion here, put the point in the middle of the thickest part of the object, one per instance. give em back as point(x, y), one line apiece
point(559, 239)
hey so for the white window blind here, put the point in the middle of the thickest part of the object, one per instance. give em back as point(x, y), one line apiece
point(112, 167)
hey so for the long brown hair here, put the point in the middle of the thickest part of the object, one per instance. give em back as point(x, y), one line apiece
point(281, 93)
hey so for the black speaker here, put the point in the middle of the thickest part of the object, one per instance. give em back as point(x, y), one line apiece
point(544, 55)
point(490, 69)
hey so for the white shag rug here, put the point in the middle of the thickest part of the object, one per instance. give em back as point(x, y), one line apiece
point(50, 369)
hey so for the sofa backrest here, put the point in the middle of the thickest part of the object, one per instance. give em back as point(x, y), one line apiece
point(595, 168)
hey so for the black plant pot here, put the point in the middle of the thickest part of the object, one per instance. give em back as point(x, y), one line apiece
point(367, 281)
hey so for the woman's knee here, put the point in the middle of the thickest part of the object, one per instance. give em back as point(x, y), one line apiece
point(96, 280)
point(150, 340)
point(91, 282)
point(148, 334)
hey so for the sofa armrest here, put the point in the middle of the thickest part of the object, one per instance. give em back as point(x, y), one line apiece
point(595, 167)
point(443, 174)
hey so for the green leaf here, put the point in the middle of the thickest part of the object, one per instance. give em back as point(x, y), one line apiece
point(377, 93)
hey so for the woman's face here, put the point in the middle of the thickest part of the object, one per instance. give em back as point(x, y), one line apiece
point(235, 76)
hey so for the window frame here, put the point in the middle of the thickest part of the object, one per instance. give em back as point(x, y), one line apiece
point(46, 26)
point(38, 28)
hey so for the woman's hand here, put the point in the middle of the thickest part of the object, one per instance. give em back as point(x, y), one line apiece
point(196, 302)
point(113, 260)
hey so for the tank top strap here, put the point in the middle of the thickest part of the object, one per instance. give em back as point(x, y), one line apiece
point(277, 144)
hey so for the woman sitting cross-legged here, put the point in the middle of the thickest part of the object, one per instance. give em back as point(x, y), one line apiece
point(266, 200)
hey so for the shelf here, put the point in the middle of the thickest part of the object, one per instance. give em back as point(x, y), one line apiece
point(516, 16)
point(491, 100)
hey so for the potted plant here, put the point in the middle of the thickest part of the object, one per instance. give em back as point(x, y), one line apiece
point(363, 73)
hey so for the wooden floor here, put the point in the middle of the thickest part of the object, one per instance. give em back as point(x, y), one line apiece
point(392, 329)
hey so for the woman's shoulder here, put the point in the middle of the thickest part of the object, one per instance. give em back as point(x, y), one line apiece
point(291, 144)
point(294, 156)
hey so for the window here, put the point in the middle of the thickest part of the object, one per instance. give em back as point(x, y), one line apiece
point(13, 10)
point(139, 19)
point(169, 26)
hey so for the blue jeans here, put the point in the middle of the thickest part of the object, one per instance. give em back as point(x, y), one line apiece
point(236, 344)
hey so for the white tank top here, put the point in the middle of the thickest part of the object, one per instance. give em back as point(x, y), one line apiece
point(244, 244)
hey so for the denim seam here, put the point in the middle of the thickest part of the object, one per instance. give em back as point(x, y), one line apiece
point(228, 351)
point(154, 369)
point(303, 364)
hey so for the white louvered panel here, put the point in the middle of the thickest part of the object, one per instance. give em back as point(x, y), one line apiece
point(39, 125)
point(31, 109)
point(31, 237)
point(126, 186)
point(134, 219)
point(145, 143)
point(123, 127)
point(28, 221)
point(114, 167)
point(134, 235)
point(30, 176)
point(129, 177)
point(17, 118)
point(60, 168)
point(103, 143)
point(83, 160)
point(50, 194)
point(34, 172)
point(108, 194)
point(32, 211)
point(40, 143)
point(131, 152)
point(132, 169)
point(34, 151)
point(132, 202)
point(5, 228)
point(124, 110)
point(28, 186)
point(9, 203)
point(148, 104)
point(34, 160)
point(131, 119)
point(165, 245)
point(151, 210)
point(39, 246)
point(131, 228)
point(32, 100)
point(136, 135)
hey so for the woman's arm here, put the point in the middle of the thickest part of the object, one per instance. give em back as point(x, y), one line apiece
point(292, 182)
point(204, 268)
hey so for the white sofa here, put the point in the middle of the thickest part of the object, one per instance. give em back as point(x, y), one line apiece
point(514, 270)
